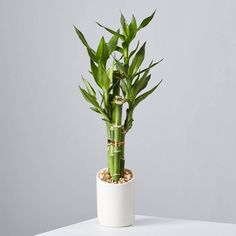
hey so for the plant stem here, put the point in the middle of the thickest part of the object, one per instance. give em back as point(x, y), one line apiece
point(129, 119)
point(115, 146)
point(110, 153)
point(122, 158)
point(116, 120)
point(126, 58)
point(106, 102)
point(115, 130)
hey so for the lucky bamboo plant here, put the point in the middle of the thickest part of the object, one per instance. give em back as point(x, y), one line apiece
point(117, 72)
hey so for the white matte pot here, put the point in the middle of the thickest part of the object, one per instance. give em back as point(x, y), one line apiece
point(115, 203)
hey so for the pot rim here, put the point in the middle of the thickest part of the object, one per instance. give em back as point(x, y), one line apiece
point(112, 184)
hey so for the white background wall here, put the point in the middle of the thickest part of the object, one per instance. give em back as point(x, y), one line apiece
point(182, 145)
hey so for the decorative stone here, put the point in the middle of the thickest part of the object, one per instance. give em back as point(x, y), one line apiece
point(106, 177)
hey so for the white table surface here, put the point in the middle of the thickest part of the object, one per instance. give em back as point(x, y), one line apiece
point(147, 226)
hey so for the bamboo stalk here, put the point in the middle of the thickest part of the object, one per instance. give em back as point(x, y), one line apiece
point(122, 158)
point(110, 149)
point(116, 119)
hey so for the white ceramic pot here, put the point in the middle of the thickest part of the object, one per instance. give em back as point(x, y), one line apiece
point(115, 203)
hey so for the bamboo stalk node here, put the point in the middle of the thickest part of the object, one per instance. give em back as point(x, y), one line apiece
point(117, 151)
point(115, 143)
point(119, 100)
point(118, 76)
point(124, 131)
point(116, 126)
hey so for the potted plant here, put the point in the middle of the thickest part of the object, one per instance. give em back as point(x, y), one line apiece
point(117, 72)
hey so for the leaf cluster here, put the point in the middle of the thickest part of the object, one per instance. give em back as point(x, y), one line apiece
point(116, 69)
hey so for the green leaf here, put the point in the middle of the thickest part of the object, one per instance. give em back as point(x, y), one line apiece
point(129, 124)
point(137, 60)
point(126, 43)
point(144, 95)
point(91, 52)
point(110, 71)
point(112, 44)
point(102, 77)
point(95, 109)
point(93, 100)
point(132, 28)
point(146, 21)
point(129, 118)
point(124, 25)
point(102, 51)
point(101, 97)
point(119, 49)
point(140, 84)
point(112, 32)
point(146, 71)
point(122, 20)
point(134, 51)
point(107, 120)
point(89, 98)
point(89, 88)
point(120, 67)
point(82, 38)
point(113, 85)
point(94, 70)
point(124, 87)
point(148, 68)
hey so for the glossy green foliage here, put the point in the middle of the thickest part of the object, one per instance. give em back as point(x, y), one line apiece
point(113, 59)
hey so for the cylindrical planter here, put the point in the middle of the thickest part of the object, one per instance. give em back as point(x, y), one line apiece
point(115, 203)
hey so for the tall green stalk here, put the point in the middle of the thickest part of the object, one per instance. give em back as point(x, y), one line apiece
point(116, 126)
point(119, 83)
point(110, 150)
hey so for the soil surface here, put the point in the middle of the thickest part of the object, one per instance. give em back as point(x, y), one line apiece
point(106, 177)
